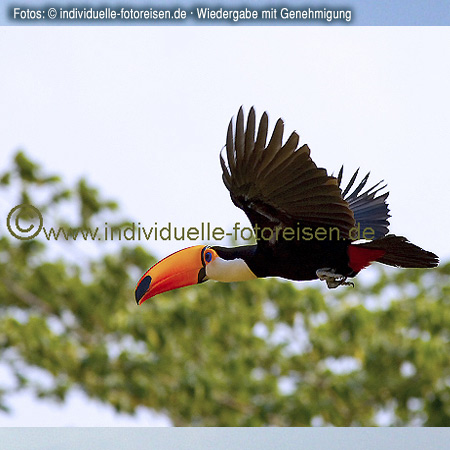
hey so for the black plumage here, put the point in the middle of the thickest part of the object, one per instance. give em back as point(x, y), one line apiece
point(278, 186)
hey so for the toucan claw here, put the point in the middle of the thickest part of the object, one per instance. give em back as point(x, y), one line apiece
point(332, 278)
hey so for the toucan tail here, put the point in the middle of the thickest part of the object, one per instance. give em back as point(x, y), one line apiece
point(398, 252)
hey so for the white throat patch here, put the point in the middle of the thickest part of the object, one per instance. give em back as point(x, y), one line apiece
point(228, 271)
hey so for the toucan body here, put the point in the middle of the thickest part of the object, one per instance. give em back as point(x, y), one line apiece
point(281, 190)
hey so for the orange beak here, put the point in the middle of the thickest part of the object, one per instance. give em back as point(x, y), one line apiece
point(182, 268)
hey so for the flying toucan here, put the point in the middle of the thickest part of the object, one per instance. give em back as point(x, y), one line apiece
point(305, 225)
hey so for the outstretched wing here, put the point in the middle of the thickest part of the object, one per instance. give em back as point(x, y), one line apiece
point(369, 210)
point(279, 185)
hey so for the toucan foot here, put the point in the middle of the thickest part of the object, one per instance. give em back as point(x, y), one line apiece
point(332, 278)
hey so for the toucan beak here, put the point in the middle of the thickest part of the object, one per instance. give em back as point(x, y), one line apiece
point(180, 269)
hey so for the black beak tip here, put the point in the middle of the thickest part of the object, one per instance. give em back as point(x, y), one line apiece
point(142, 288)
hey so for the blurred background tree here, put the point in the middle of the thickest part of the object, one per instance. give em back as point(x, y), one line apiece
point(266, 352)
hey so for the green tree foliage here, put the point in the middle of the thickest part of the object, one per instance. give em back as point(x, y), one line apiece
point(265, 352)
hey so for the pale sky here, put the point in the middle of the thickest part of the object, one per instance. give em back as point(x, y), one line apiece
point(143, 112)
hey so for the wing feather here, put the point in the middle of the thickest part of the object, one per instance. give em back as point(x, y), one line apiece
point(370, 210)
point(279, 184)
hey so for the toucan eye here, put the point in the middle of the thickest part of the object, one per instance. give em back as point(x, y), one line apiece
point(208, 254)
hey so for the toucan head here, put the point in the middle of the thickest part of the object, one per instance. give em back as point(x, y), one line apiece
point(190, 266)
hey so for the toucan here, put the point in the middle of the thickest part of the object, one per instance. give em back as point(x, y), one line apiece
point(306, 226)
